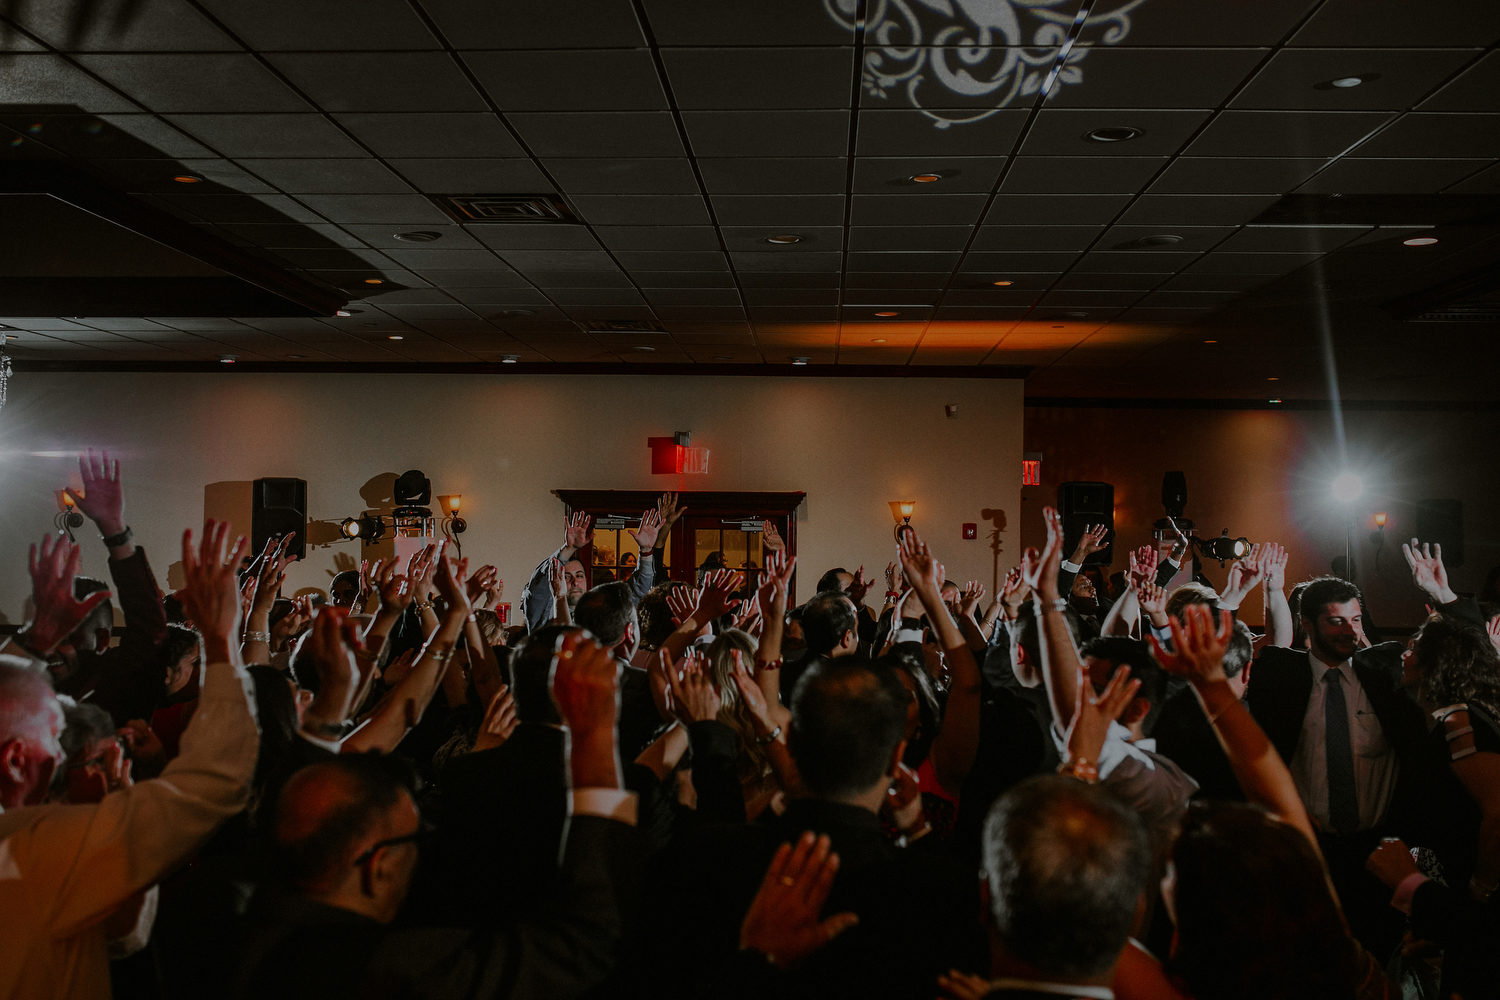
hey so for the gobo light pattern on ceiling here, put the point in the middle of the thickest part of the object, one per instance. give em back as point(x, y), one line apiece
point(974, 49)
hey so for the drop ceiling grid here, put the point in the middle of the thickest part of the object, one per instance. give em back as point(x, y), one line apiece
point(676, 34)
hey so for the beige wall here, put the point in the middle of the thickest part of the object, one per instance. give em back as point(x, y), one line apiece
point(1265, 475)
point(190, 444)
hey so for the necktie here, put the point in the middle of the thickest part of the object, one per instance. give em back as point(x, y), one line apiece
point(1343, 802)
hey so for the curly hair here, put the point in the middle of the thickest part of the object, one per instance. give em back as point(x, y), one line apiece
point(754, 765)
point(1458, 664)
point(654, 615)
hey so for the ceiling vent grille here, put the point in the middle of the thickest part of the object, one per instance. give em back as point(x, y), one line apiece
point(534, 208)
point(622, 326)
point(1459, 314)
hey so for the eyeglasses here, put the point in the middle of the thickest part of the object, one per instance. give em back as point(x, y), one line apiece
point(421, 833)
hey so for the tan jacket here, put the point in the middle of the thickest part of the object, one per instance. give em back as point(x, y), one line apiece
point(65, 868)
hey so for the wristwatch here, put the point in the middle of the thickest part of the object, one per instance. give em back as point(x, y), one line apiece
point(115, 541)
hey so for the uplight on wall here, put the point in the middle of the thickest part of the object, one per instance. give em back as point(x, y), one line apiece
point(902, 510)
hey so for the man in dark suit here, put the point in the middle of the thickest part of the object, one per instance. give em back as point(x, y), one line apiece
point(916, 908)
point(348, 831)
point(1353, 740)
point(1184, 734)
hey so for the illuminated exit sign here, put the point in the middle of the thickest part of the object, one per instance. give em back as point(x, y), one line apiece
point(1031, 468)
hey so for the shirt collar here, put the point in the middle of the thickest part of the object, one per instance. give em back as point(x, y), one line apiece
point(1060, 989)
point(1319, 667)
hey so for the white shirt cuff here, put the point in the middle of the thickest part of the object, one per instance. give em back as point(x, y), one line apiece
point(332, 746)
point(607, 803)
point(1072, 567)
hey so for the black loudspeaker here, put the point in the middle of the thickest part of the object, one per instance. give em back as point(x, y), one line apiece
point(1442, 521)
point(1083, 504)
point(278, 506)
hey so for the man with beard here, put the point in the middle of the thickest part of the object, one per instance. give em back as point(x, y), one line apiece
point(536, 603)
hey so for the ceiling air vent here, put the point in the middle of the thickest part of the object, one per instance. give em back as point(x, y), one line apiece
point(1459, 314)
point(538, 208)
point(622, 326)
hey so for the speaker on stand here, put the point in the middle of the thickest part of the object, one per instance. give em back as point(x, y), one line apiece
point(1082, 505)
point(278, 506)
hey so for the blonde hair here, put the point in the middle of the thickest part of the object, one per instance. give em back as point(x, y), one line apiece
point(754, 765)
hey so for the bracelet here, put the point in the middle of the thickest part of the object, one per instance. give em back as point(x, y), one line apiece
point(473, 616)
point(257, 637)
point(1080, 768)
point(908, 839)
point(423, 605)
point(770, 737)
point(762, 665)
point(1042, 607)
point(893, 593)
point(115, 541)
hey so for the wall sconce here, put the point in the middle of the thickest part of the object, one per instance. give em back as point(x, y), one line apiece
point(453, 524)
point(901, 510)
point(1380, 519)
point(67, 518)
point(1377, 537)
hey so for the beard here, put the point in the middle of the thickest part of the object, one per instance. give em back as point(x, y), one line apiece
point(573, 597)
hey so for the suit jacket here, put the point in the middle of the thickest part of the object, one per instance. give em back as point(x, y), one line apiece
point(1184, 735)
point(918, 911)
point(295, 948)
point(126, 680)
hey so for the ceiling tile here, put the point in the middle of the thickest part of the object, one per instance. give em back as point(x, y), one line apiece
point(1082, 174)
point(1285, 133)
point(389, 208)
point(528, 261)
point(919, 238)
point(904, 210)
point(1485, 182)
point(773, 210)
point(908, 132)
point(1036, 237)
point(658, 237)
point(791, 297)
point(809, 260)
point(1292, 239)
point(159, 176)
point(1066, 298)
point(1362, 176)
point(760, 78)
point(1213, 282)
point(296, 136)
point(985, 261)
point(935, 261)
point(1191, 238)
point(960, 174)
point(1220, 175)
point(1196, 210)
point(1135, 261)
point(797, 279)
point(1475, 89)
point(693, 296)
point(1065, 132)
point(469, 176)
point(1433, 135)
point(323, 25)
point(302, 236)
point(480, 135)
point(599, 133)
point(1134, 78)
point(1092, 281)
point(1393, 22)
point(49, 80)
point(637, 210)
point(428, 260)
point(221, 82)
point(449, 237)
point(766, 175)
point(576, 80)
point(595, 296)
point(885, 280)
point(1300, 78)
point(482, 24)
point(621, 176)
point(683, 279)
point(771, 22)
point(530, 236)
point(331, 176)
point(992, 297)
point(380, 81)
point(670, 260)
point(1226, 22)
point(154, 26)
point(754, 238)
point(455, 280)
point(1252, 263)
point(767, 133)
point(1054, 209)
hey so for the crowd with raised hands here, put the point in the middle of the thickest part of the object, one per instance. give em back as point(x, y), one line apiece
point(702, 788)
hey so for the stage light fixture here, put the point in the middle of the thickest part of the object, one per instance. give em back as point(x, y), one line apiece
point(367, 528)
point(1224, 548)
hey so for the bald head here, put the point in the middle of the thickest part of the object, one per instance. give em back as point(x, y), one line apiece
point(1066, 864)
point(330, 813)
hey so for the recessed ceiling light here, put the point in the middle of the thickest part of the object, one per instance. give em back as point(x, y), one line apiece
point(1003, 284)
point(723, 357)
point(395, 336)
point(1420, 241)
point(1114, 133)
point(784, 239)
point(1347, 81)
point(887, 312)
point(509, 359)
point(1272, 378)
point(643, 349)
point(295, 357)
point(1160, 241)
point(420, 236)
point(877, 340)
point(515, 312)
point(343, 312)
point(374, 281)
point(800, 361)
point(1210, 341)
point(925, 178)
point(188, 179)
point(228, 359)
point(1076, 314)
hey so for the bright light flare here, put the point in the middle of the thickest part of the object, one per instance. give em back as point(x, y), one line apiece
point(1347, 487)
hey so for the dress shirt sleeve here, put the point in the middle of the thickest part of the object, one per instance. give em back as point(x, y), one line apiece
point(81, 862)
point(536, 601)
point(642, 580)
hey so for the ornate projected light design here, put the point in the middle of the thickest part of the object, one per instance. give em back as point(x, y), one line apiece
point(4, 369)
point(974, 50)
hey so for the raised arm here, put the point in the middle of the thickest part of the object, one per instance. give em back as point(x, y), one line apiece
point(55, 612)
point(1199, 642)
point(645, 537)
point(1095, 538)
point(973, 593)
point(557, 580)
point(1060, 665)
point(270, 571)
point(772, 599)
point(1279, 629)
point(402, 707)
point(957, 741)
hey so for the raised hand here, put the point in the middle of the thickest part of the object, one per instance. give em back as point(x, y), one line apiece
point(102, 499)
point(291, 624)
point(1243, 576)
point(1092, 714)
point(668, 511)
point(774, 581)
point(557, 579)
point(858, 587)
point(683, 603)
point(1199, 642)
point(714, 599)
point(1154, 603)
point(645, 536)
point(57, 613)
point(499, 721)
point(1143, 566)
point(771, 538)
point(270, 570)
point(481, 584)
point(331, 646)
point(1093, 539)
point(782, 922)
point(1013, 592)
point(450, 581)
point(1182, 543)
point(748, 618)
point(577, 534)
point(419, 572)
point(922, 571)
point(1273, 559)
point(750, 692)
point(365, 587)
point(973, 593)
point(892, 577)
point(586, 691)
point(694, 696)
point(210, 596)
point(1039, 569)
point(1428, 571)
point(399, 668)
point(392, 590)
